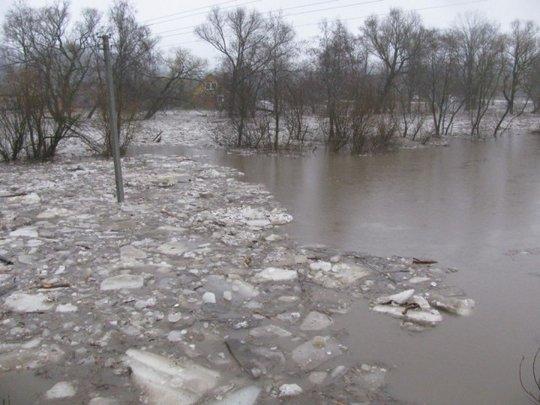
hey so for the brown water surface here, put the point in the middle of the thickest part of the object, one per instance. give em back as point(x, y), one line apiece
point(474, 206)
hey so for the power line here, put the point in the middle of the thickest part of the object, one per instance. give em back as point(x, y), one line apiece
point(177, 29)
point(282, 9)
point(274, 10)
point(344, 19)
point(334, 8)
point(189, 11)
point(294, 14)
point(201, 13)
point(464, 3)
point(309, 5)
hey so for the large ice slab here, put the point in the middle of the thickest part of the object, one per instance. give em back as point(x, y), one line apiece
point(21, 302)
point(128, 281)
point(168, 382)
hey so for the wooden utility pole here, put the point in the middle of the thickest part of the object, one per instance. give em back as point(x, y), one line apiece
point(113, 126)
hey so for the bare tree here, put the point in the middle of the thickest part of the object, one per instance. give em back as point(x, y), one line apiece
point(480, 53)
point(281, 49)
point(395, 41)
point(183, 67)
point(56, 58)
point(14, 113)
point(295, 105)
point(518, 60)
point(241, 37)
point(440, 87)
point(363, 117)
point(521, 50)
point(336, 61)
point(134, 63)
point(532, 84)
point(364, 89)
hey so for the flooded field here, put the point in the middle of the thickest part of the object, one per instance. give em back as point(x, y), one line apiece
point(474, 206)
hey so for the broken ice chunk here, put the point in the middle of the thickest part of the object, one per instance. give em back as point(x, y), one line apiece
point(426, 317)
point(209, 298)
point(103, 401)
point(269, 331)
point(53, 213)
point(128, 281)
point(21, 302)
point(170, 382)
point(399, 298)
point(422, 317)
point(289, 390)
point(394, 311)
point(276, 274)
point(457, 306)
point(417, 280)
point(313, 353)
point(60, 390)
point(131, 253)
point(316, 321)
point(25, 232)
point(320, 266)
point(66, 308)
point(173, 248)
point(243, 396)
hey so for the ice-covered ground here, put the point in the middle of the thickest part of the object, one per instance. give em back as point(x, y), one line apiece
point(186, 127)
point(188, 292)
point(200, 129)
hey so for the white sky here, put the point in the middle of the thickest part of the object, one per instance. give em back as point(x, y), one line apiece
point(442, 14)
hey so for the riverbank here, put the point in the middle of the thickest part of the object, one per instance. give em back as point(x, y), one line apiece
point(198, 129)
point(193, 129)
point(190, 280)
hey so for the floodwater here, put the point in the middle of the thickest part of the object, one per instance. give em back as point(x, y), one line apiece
point(474, 206)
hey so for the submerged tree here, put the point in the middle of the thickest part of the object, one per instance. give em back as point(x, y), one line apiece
point(396, 41)
point(481, 63)
point(248, 43)
point(440, 87)
point(281, 49)
point(181, 68)
point(240, 36)
point(532, 86)
point(521, 51)
point(337, 60)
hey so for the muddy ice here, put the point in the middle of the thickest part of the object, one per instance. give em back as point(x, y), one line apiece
point(187, 293)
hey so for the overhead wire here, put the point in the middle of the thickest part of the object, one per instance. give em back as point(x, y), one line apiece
point(201, 13)
point(297, 7)
point(189, 11)
point(185, 32)
point(468, 2)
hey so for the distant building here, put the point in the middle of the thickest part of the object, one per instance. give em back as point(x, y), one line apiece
point(208, 94)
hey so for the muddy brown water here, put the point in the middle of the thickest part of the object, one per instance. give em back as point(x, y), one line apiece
point(474, 206)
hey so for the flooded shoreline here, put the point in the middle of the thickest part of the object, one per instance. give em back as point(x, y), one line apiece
point(189, 292)
point(474, 206)
point(209, 270)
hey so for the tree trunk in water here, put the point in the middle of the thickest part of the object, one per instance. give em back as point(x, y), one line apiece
point(240, 131)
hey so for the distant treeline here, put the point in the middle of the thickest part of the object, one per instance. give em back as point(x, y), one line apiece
point(392, 77)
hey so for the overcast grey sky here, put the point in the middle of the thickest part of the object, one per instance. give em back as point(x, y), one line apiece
point(304, 15)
